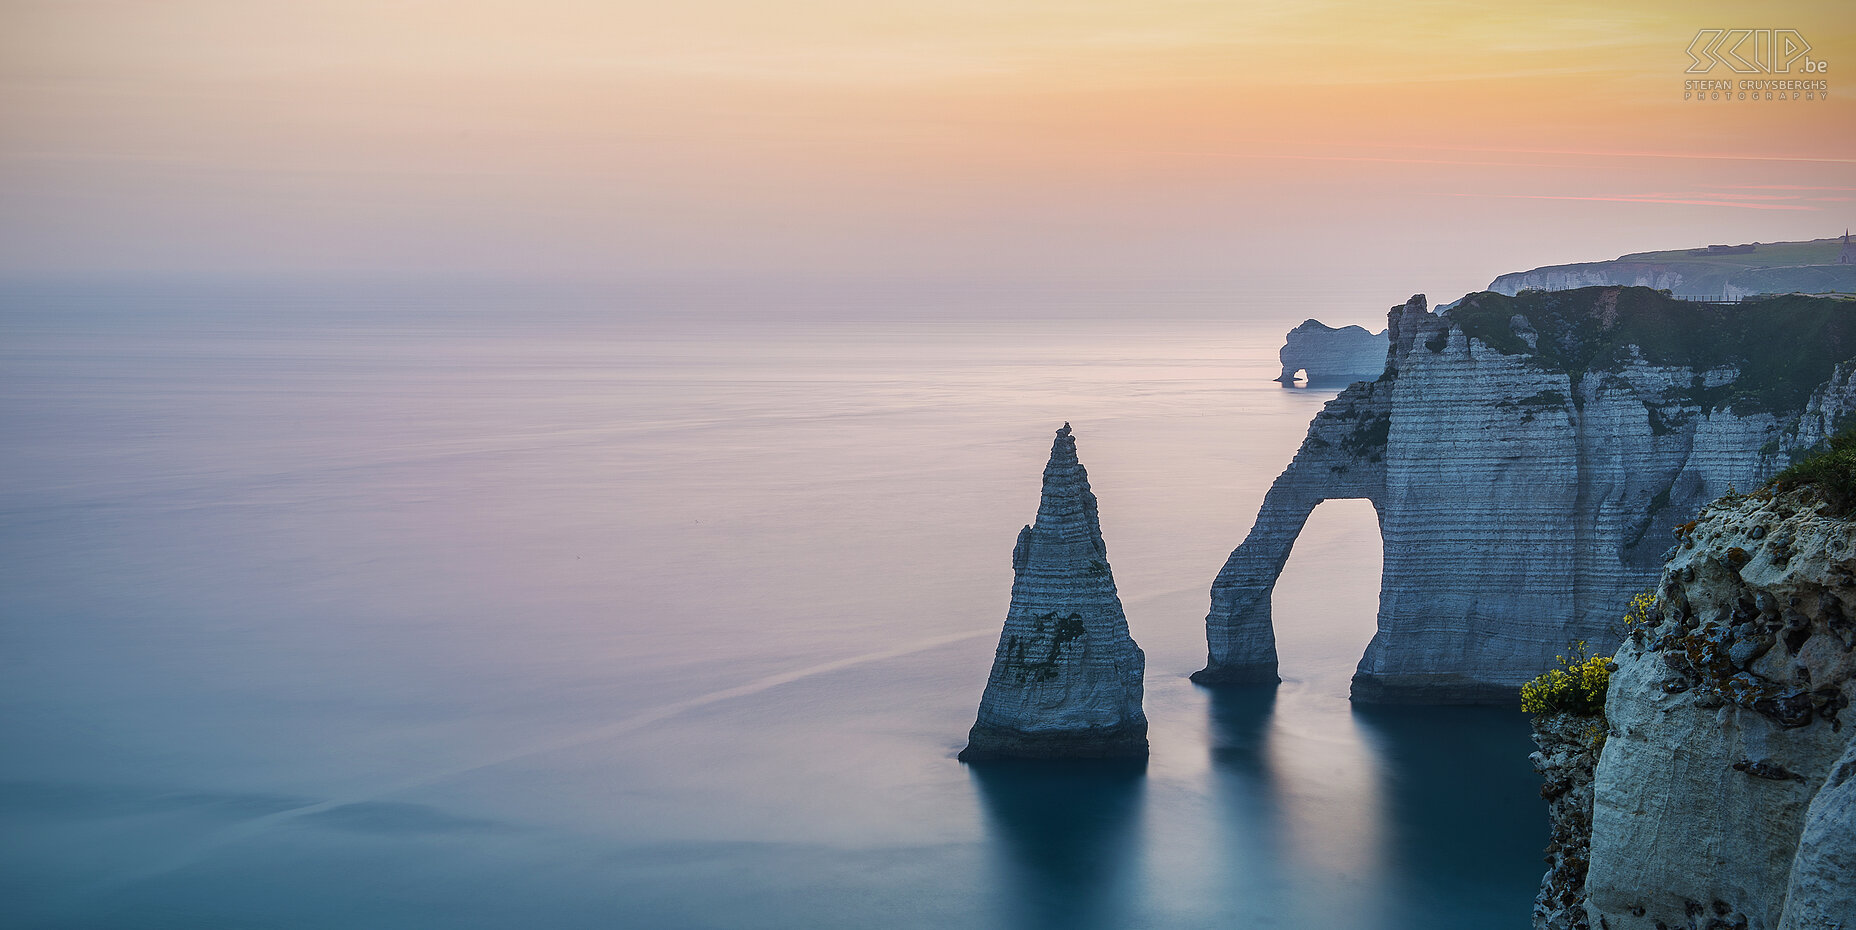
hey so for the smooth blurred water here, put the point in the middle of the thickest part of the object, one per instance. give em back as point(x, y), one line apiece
point(322, 615)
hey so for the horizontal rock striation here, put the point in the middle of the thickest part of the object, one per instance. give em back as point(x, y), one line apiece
point(1066, 678)
point(1332, 356)
point(1528, 458)
point(1723, 796)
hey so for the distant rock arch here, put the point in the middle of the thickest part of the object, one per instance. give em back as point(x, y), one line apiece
point(1327, 355)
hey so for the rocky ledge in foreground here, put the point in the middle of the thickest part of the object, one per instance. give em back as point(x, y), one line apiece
point(1568, 753)
point(1066, 679)
point(1725, 792)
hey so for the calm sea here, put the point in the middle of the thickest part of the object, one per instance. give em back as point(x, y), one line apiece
point(319, 614)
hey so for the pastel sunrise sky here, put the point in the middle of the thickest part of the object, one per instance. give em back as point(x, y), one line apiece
point(1219, 144)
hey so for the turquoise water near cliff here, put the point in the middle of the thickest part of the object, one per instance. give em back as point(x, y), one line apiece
point(422, 614)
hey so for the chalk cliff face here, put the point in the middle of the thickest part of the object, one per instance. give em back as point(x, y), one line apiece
point(1332, 356)
point(1620, 273)
point(1528, 458)
point(1831, 407)
point(1066, 678)
point(1821, 891)
point(1700, 281)
point(1811, 267)
point(1723, 796)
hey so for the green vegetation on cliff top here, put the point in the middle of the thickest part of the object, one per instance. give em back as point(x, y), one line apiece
point(1577, 682)
point(1783, 347)
point(1831, 473)
point(1807, 252)
point(1575, 686)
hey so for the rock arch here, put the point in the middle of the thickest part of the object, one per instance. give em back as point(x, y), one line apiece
point(1240, 638)
point(1527, 459)
point(1325, 354)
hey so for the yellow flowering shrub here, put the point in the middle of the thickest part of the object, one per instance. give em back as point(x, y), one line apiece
point(1577, 686)
point(1637, 612)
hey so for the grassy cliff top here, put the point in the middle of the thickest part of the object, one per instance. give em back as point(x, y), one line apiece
point(1808, 267)
point(1830, 472)
point(1811, 252)
point(1783, 347)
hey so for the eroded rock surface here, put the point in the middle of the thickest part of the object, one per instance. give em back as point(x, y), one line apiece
point(1822, 891)
point(1066, 678)
point(1568, 754)
point(1722, 797)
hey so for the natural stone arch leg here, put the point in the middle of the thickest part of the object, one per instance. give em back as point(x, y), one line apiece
point(1240, 631)
point(1342, 458)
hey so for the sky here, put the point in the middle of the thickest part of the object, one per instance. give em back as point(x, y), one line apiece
point(1217, 144)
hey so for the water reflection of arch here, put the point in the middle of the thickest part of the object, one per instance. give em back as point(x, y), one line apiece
point(1461, 812)
point(1247, 789)
point(1068, 836)
point(1240, 729)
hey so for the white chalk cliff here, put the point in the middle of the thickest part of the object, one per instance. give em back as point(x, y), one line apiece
point(1528, 457)
point(1066, 678)
point(1811, 267)
point(1592, 274)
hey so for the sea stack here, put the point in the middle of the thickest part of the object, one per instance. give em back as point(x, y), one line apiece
point(1066, 679)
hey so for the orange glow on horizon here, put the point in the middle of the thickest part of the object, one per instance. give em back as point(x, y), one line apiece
point(727, 134)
